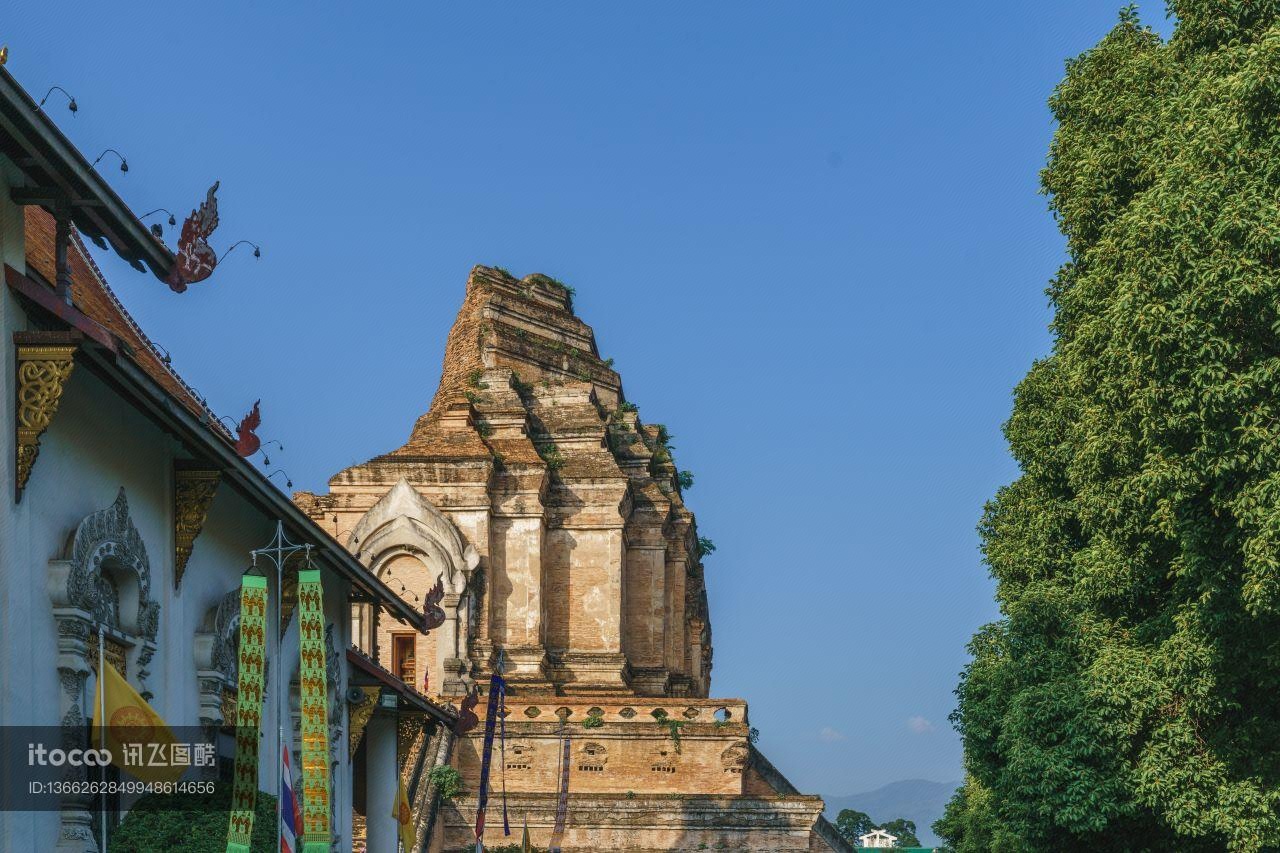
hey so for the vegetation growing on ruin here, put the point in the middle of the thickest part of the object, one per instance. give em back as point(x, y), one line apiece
point(551, 456)
point(447, 781)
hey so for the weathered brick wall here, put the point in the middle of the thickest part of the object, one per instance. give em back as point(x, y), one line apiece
point(629, 752)
point(641, 823)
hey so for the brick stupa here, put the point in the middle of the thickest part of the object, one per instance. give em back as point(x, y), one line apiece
point(554, 519)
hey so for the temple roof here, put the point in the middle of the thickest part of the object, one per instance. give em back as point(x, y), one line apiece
point(123, 352)
point(56, 174)
point(95, 299)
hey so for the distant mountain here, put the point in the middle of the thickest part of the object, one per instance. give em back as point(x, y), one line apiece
point(915, 799)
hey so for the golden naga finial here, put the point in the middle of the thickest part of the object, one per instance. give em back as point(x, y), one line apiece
point(4, 54)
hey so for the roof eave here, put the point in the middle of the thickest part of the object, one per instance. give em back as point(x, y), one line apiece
point(179, 420)
point(413, 698)
point(41, 151)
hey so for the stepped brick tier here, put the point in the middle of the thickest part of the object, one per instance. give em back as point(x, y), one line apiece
point(551, 518)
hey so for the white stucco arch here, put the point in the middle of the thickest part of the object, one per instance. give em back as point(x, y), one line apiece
point(403, 524)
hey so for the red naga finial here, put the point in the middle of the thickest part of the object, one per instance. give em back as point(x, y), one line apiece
point(195, 258)
point(431, 606)
point(247, 442)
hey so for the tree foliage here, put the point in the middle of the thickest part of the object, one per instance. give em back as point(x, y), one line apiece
point(904, 830)
point(1129, 697)
point(851, 824)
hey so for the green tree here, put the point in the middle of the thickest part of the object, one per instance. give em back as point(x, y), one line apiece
point(851, 824)
point(1129, 697)
point(904, 830)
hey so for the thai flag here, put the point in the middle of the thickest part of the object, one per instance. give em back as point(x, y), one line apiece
point(290, 811)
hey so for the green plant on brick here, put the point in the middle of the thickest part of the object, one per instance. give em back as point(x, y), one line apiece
point(551, 456)
point(448, 782)
point(672, 728)
point(521, 387)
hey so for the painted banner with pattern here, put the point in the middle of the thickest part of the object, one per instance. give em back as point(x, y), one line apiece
point(314, 700)
point(562, 801)
point(493, 712)
point(250, 660)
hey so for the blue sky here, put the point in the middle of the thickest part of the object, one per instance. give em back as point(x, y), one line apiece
point(809, 234)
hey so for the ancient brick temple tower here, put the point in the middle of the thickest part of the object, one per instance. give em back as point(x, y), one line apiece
point(553, 518)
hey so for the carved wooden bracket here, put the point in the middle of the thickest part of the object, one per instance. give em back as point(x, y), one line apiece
point(360, 715)
point(43, 369)
point(193, 491)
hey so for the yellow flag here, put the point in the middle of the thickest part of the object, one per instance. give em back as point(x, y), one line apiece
point(403, 815)
point(140, 741)
point(525, 846)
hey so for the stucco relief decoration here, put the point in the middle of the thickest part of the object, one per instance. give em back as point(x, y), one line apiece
point(734, 758)
point(193, 491)
point(42, 374)
point(108, 538)
point(103, 578)
point(216, 660)
point(592, 757)
point(226, 631)
point(333, 675)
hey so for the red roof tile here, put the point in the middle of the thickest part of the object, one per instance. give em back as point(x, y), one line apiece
point(94, 298)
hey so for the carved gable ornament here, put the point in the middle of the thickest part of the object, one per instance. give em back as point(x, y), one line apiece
point(43, 370)
point(108, 539)
point(193, 491)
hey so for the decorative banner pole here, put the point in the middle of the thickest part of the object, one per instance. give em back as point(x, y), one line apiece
point(102, 715)
point(562, 799)
point(278, 551)
point(493, 712)
point(315, 714)
point(249, 687)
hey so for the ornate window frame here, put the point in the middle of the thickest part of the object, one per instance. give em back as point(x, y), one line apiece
point(106, 539)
